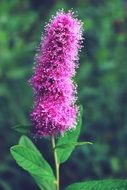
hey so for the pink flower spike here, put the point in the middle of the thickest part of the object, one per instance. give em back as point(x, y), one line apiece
point(55, 109)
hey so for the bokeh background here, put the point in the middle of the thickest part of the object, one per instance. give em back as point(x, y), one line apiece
point(102, 87)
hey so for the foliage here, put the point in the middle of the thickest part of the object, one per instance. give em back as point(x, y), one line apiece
point(99, 185)
point(30, 159)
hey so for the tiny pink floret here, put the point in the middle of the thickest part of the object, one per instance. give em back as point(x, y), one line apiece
point(55, 109)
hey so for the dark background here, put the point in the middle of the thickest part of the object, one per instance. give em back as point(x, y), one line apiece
point(102, 87)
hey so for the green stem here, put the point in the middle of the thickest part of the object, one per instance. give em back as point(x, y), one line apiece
point(56, 164)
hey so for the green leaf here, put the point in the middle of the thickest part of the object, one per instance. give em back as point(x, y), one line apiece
point(73, 143)
point(23, 129)
point(69, 137)
point(99, 185)
point(26, 142)
point(44, 184)
point(30, 159)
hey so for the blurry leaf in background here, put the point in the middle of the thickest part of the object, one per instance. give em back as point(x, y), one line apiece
point(4, 186)
point(23, 129)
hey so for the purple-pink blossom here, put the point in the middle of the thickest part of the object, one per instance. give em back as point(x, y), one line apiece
point(55, 110)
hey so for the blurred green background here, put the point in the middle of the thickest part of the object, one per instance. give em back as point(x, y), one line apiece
point(102, 86)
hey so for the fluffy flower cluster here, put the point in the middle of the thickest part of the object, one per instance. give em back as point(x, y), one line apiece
point(55, 92)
